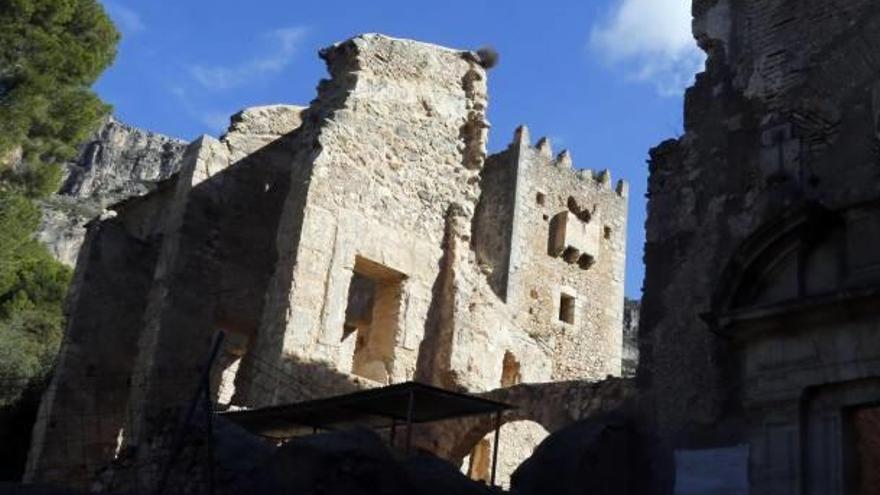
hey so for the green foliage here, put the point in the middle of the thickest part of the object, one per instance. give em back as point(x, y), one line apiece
point(51, 51)
point(32, 291)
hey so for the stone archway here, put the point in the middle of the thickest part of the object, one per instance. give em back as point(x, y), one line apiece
point(517, 442)
point(552, 406)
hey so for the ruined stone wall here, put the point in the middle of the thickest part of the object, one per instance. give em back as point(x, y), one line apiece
point(85, 404)
point(395, 155)
point(367, 240)
point(158, 276)
point(785, 115)
point(493, 220)
point(524, 252)
point(217, 260)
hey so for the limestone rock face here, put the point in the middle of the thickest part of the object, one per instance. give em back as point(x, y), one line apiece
point(117, 163)
point(120, 162)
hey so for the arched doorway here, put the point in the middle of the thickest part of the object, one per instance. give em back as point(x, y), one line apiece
point(517, 440)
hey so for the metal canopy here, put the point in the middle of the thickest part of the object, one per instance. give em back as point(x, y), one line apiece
point(403, 403)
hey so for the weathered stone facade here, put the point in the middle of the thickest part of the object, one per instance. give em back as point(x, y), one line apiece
point(761, 293)
point(364, 240)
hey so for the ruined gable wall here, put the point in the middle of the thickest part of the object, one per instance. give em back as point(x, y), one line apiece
point(402, 148)
point(784, 114)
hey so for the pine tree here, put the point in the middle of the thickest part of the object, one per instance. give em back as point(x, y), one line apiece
point(51, 52)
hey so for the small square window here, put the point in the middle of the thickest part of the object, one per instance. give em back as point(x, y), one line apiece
point(607, 232)
point(540, 198)
point(566, 308)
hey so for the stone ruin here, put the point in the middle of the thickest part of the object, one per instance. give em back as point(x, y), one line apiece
point(364, 240)
point(758, 338)
point(762, 288)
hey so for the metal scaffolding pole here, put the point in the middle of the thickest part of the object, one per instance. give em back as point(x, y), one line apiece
point(495, 446)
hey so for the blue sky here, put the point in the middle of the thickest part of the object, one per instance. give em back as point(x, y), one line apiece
point(602, 78)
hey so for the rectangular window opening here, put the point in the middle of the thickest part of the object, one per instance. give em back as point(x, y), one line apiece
point(566, 308)
point(372, 318)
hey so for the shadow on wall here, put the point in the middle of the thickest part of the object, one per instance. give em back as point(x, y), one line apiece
point(197, 275)
point(435, 351)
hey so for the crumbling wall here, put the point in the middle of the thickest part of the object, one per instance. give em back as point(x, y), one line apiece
point(184, 275)
point(494, 218)
point(361, 241)
point(783, 116)
point(394, 154)
point(216, 266)
point(85, 405)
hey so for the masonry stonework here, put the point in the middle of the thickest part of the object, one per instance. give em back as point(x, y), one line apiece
point(760, 299)
point(363, 240)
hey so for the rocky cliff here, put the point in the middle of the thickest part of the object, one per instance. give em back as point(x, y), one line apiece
point(116, 163)
point(120, 162)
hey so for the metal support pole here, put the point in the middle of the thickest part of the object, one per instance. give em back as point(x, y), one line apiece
point(409, 413)
point(495, 446)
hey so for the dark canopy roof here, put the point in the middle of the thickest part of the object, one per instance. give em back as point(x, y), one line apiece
point(374, 408)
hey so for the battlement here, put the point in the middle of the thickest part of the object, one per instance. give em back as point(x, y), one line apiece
point(563, 164)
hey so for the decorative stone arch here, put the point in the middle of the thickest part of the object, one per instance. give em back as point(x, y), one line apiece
point(798, 302)
point(773, 264)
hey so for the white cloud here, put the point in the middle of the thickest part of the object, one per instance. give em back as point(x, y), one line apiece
point(284, 43)
point(128, 20)
point(652, 40)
